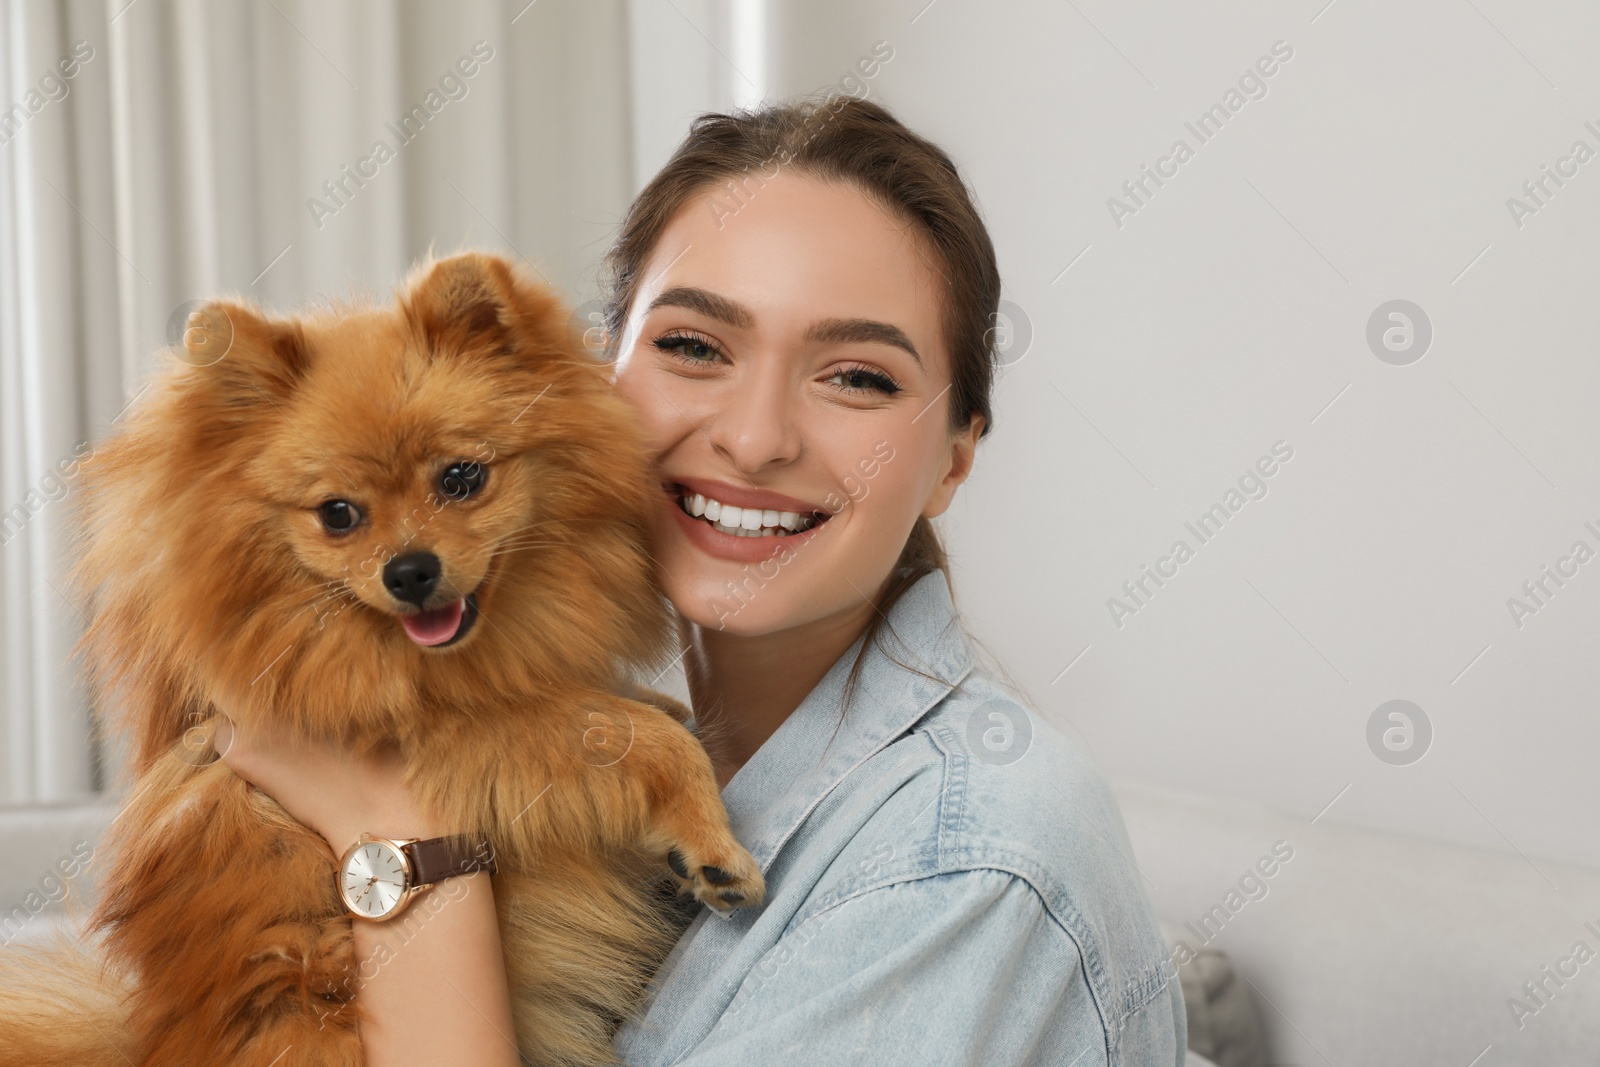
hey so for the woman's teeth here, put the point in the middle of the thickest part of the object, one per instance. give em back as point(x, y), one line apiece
point(745, 522)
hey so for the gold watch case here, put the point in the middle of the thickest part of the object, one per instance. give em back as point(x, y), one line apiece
point(407, 892)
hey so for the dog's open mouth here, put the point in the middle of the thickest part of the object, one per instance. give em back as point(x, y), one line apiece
point(439, 627)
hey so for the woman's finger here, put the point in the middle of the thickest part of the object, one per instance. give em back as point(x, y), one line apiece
point(248, 754)
point(236, 748)
point(222, 740)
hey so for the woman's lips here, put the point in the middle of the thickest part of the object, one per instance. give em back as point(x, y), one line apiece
point(731, 546)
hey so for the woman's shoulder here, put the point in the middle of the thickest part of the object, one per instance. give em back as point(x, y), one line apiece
point(1025, 786)
point(983, 782)
point(982, 779)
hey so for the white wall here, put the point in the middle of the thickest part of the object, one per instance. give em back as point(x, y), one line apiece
point(1225, 316)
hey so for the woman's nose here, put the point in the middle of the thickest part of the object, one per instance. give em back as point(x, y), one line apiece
point(758, 423)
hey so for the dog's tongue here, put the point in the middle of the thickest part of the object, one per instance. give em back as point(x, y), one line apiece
point(434, 627)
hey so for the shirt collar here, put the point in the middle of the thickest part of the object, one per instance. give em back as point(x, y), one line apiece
point(806, 756)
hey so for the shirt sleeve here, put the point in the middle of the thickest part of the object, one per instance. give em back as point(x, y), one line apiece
point(961, 968)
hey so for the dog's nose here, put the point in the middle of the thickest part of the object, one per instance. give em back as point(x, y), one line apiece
point(413, 576)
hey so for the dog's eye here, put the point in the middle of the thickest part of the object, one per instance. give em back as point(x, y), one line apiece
point(339, 516)
point(460, 480)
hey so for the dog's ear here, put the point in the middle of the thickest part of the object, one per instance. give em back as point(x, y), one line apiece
point(242, 353)
point(465, 304)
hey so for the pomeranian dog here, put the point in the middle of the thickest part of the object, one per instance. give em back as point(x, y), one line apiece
point(424, 524)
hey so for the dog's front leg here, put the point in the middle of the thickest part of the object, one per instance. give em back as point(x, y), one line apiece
point(652, 763)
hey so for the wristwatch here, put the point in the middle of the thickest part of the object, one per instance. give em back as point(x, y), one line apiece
point(378, 876)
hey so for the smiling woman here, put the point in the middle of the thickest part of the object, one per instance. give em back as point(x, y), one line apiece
point(768, 355)
point(931, 899)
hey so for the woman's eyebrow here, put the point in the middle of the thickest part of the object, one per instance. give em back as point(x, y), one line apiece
point(853, 331)
point(836, 331)
point(706, 303)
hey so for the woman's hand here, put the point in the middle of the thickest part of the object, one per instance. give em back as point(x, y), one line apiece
point(437, 989)
point(327, 786)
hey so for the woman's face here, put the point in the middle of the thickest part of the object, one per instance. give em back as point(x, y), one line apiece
point(786, 357)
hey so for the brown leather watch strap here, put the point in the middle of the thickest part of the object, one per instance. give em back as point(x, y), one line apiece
point(441, 857)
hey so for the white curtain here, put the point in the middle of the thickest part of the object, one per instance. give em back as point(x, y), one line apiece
point(206, 148)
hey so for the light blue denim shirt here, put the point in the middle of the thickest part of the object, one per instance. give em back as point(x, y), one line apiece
point(949, 881)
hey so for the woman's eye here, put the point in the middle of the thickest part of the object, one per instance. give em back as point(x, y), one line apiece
point(460, 480)
point(864, 379)
point(339, 516)
point(687, 348)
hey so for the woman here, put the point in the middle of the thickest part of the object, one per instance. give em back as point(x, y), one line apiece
point(800, 311)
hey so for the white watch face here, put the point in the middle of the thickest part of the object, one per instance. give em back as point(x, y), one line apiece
point(373, 879)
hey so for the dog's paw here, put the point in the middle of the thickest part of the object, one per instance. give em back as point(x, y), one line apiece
point(732, 881)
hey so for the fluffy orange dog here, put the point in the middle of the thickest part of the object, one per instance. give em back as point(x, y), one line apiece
point(242, 536)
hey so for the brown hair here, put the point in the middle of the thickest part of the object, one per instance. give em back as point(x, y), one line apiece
point(848, 139)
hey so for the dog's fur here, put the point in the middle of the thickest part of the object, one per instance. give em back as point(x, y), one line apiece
point(212, 586)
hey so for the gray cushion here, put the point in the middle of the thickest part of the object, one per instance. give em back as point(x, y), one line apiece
point(1223, 1024)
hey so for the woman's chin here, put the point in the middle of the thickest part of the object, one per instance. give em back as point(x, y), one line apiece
point(731, 598)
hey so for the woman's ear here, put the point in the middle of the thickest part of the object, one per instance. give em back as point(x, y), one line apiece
point(963, 449)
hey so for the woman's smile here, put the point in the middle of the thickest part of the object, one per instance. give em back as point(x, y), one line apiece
point(753, 510)
point(741, 525)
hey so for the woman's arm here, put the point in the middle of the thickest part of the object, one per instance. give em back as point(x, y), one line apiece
point(431, 983)
point(437, 987)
